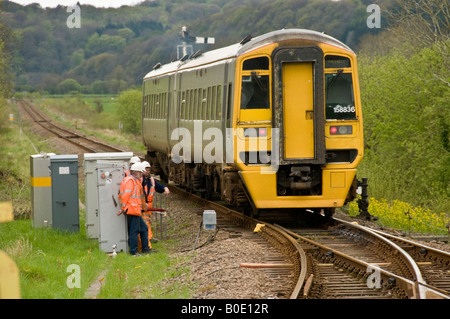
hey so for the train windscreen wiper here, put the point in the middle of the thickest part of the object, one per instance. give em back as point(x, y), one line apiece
point(258, 81)
point(339, 73)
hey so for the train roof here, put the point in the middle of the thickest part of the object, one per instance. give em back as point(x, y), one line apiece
point(238, 49)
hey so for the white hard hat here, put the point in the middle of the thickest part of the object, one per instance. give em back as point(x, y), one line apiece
point(135, 159)
point(146, 164)
point(137, 167)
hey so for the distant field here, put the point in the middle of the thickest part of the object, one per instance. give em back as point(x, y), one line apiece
point(109, 101)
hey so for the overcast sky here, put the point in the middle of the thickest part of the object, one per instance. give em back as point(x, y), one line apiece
point(96, 3)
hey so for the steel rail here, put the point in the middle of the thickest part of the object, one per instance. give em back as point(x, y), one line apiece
point(350, 262)
point(404, 256)
point(431, 253)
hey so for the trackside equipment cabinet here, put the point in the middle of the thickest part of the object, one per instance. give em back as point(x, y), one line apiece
point(41, 190)
point(113, 235)
point(91, 189)
point(65, 206)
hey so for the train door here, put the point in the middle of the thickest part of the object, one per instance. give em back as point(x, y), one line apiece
point(298, 110)
point(298, 105)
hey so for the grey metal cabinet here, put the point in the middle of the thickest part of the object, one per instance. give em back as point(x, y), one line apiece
point(91, 189)
point(41, 190)
point(112, 228)
point(64, 179)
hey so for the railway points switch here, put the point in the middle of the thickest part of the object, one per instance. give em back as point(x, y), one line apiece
point(209, 220)
point(41, 190)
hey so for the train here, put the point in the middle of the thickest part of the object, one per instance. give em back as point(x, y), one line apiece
point(271, 123)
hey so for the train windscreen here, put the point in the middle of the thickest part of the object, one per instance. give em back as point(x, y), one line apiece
point(339, 96)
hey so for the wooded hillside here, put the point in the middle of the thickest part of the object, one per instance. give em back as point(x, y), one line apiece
point(114, 48)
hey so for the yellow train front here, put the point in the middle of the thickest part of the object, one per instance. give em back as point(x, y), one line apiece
point(270, 123)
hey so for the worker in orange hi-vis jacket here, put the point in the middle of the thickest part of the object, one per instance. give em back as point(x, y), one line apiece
point(150, 185)
point(132, 203)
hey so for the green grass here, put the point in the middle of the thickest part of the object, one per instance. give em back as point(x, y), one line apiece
point(43, 256)
point(147, 276)
point(109, 102)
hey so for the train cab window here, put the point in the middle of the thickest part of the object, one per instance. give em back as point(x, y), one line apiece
point(255, 85)
point(339, 96)
point(255, 91)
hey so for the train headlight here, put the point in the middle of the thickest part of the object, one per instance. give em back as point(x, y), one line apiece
point(341, 130)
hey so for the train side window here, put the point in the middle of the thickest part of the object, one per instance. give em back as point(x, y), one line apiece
point(188, 96)
point(203, 116)
point(164, 110)
point(208, 104)
point(213, 102)
point(191, 105)
point(144, 107)
point(183, 105)
point(219, 102)
point(197, 103)
point(339, 96)
point(150, 106)
point(158, 106)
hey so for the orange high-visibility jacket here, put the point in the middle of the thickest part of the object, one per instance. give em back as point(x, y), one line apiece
point(131, 196)
point(150, 193)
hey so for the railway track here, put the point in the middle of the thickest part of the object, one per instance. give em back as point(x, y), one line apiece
point(284, 263)
point(352, 261)
point(74, 137)
point(339, 261)
point(434, 264)
point(344, 260)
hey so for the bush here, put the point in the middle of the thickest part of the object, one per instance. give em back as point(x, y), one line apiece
point(129, 111)
point(407, 125)
point(404, 216)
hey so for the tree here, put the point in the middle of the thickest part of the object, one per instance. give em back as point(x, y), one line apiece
point(129, 110)
point(5, 58)
point(69, 85)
